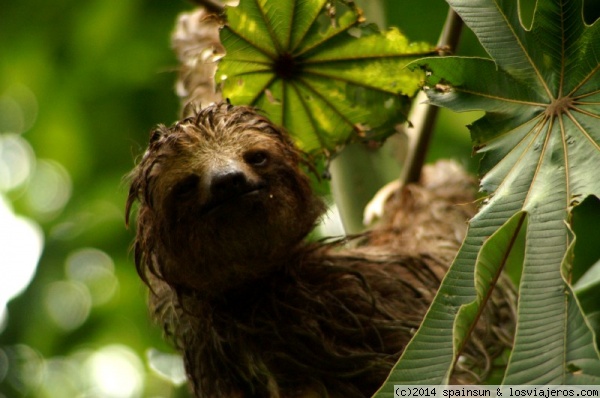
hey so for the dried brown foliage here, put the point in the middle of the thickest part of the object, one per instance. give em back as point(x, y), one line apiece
point(198, 48)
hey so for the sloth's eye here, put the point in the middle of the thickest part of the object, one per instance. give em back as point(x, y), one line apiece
point(256, 158)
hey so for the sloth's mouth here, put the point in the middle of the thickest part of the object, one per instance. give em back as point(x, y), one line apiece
point(250, 193)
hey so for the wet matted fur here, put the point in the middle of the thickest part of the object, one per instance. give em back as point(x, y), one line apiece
point(257, 310)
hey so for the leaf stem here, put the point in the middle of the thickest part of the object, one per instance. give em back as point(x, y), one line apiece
point(423, 116)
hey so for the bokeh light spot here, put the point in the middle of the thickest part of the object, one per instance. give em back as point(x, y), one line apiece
point(68, 304)
point(117, 372)
point(21, 243)
point(167, 366)
point(49, 189)
point(11, 116)
point(63, 377)
point(16, 161)
point(3, 320)
point(95, 269)
point(25, 368)
point(18, 109)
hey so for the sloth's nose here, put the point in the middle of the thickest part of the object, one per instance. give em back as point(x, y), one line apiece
point(229, 184)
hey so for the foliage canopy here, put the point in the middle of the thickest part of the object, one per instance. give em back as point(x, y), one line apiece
point(541, 143)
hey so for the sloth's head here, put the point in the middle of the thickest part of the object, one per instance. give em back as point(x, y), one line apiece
point(222, 199)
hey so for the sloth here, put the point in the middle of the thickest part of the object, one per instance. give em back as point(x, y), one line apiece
point(259, 309)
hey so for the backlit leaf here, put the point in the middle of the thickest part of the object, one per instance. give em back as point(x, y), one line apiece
point(326, 77)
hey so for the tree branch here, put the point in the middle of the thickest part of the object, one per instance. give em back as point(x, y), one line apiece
point(423, 115)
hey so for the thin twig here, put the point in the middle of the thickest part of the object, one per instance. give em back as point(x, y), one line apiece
point(423, 115)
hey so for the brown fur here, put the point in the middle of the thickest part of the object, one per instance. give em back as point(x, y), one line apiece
point(255, 309)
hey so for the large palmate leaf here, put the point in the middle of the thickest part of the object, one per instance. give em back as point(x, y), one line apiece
point(317, 70)
point(541, 143)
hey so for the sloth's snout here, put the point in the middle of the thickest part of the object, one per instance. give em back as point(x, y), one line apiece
point(229, 184)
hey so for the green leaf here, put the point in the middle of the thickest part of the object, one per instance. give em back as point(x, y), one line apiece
point(585, 219)
point(430, 356)
point(541, 143)
point(328, 79)
point(588, 295)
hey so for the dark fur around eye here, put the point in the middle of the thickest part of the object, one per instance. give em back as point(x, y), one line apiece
point(256, 158)
point(187, 186)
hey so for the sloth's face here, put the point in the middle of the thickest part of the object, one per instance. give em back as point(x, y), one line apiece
point(226, 190)
point(225, 176)
point(231, 183)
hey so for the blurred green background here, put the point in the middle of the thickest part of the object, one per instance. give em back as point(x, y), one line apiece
point(81, 85)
